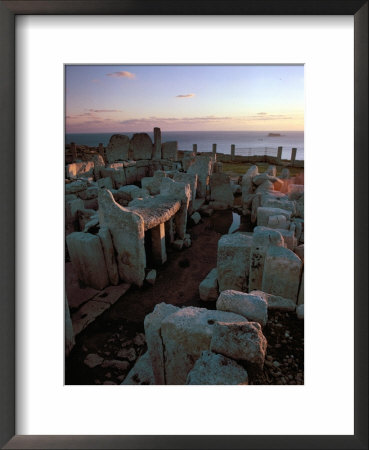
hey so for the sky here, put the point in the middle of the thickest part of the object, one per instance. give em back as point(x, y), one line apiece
point(101, 98)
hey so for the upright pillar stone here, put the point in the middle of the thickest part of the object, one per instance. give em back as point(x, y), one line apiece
point(233, 151)
point(214, 149)
point(194, 148)
point(157, 144)
point(101, 150)
point(158, 244)
point(293, 156)
point(279, 154)
point(73, 148)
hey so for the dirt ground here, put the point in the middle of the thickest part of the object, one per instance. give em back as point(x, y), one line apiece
point(177, 283)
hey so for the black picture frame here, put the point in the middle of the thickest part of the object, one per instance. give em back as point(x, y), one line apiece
point(8, 11)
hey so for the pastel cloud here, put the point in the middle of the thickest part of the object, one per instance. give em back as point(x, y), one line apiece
point(121, 74)
point(105, 110)
point(185, 95)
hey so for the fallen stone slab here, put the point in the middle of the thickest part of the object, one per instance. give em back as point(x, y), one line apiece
point(87, 314)
point(208, 288)
point(141, 373)
point(263, 214)
point(215, 369)
point(250, 306)
point(276, 302)
point(93, 360)
point(185, 334)
point(241, 341)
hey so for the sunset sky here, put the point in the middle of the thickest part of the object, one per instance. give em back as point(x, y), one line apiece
point(179, 98)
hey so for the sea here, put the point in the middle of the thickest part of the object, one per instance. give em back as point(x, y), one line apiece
point(246, 142)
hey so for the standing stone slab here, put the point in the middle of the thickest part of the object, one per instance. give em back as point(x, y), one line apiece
point(220, 189)
point(252, 307)
point(71, 209)
point(117, 149)
point(87, 257)
point(159, 252)
point(241, 341)
point(203, 167)
point(191, 179)
point(131, 173)
point(109, 254)
point(263, 214)
point(214, 369)
point(152, 324)
point(233, 261)
point(248, 187)
point(157, 144)
point(169, 150)
point(127, 231)
point(105, 182)
point(141, 146)
point(262, 239)
point(185, 334)
point(208, 288)
point(282, 272)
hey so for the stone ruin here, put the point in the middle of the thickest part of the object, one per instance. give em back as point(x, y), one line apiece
point(138, 191)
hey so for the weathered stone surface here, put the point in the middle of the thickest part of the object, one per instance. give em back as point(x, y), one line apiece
point(191, 179)
point(71, 209)
point(196, 217)
point(282, 272)
point(157, 144)
point(274, 199)
point(127, 231)
point(236, 188)
point(117, 176)
point(141, 373)
point(288, 236)
point(117, 149)
point(248, 187)
point(84, 216)
point(151, 277)
point(87, 314)
point(105, 182)
point(131, 174)
point(276, 302)
point(242, 341)
point(178, 244)
point(300, 207)
point(116, 165)
point(285, 173)
point(214, 369)
point(128, 192)
point(203, 167)
point(262, 239)
point(69, 334)
point(233, 261)
point(220, 189)
point(89, 193)
point(80, 169)
point(109, 254)
point(185, 334)
point(158, 247)
point(93, 360)
point(75, 186)
point(295, 191)
point(178, 191)
point(300, 311)
point(141, 146)
point(272, 170)
point(208, 288)
point(278, 221)
point(87, 257)
point(99, 163)
point(263, 214)
point(250, 306)
point(154, 341)
point(169, 150)
point(299, 250)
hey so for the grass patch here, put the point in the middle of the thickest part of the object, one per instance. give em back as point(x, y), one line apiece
point(237, 169)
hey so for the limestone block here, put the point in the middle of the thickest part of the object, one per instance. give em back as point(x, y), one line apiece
point(89, 193)
point(116, 165)
point(69, 197)
point(285, 174)
point(75, 186)
point(214, 369)
point(262, 239)
point(220, 189)
point(99, 164)
point(91, 204)
point(71, 209)
point(241, 341)
point(299, 250)
point(142, 172)
point(203, 167)
point(157, 144)
point(169, 150)
point(278, 221)
point(208, 288)
point(159, 252)
point(300, 207)
point(196, 217)
point(152, 324)
point(295, 191)
point(109, 255)
point(84, 216)
point(141, 373)
point(233, 261)
point(300, 312)
point(151, 277)
point(263, 214)
point(185, 334)
point(282, 272)
point(117, 149)
point(131, 174)
point(248, 187)
point(236, 189)
point(288, 235)
point(274, 199)
point(105, 182)
point(127, 230)
point(276, 302)
point(141, 146)
point(191, 179)
point(128, 192)
point(87, 257)
point(252, 307)
point(178, 244)
point(272, 170)
point(80, 169)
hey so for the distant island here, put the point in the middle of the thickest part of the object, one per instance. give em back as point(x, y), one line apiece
point(274, 135)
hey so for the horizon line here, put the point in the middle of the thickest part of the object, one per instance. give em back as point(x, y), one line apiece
point(184, 131)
